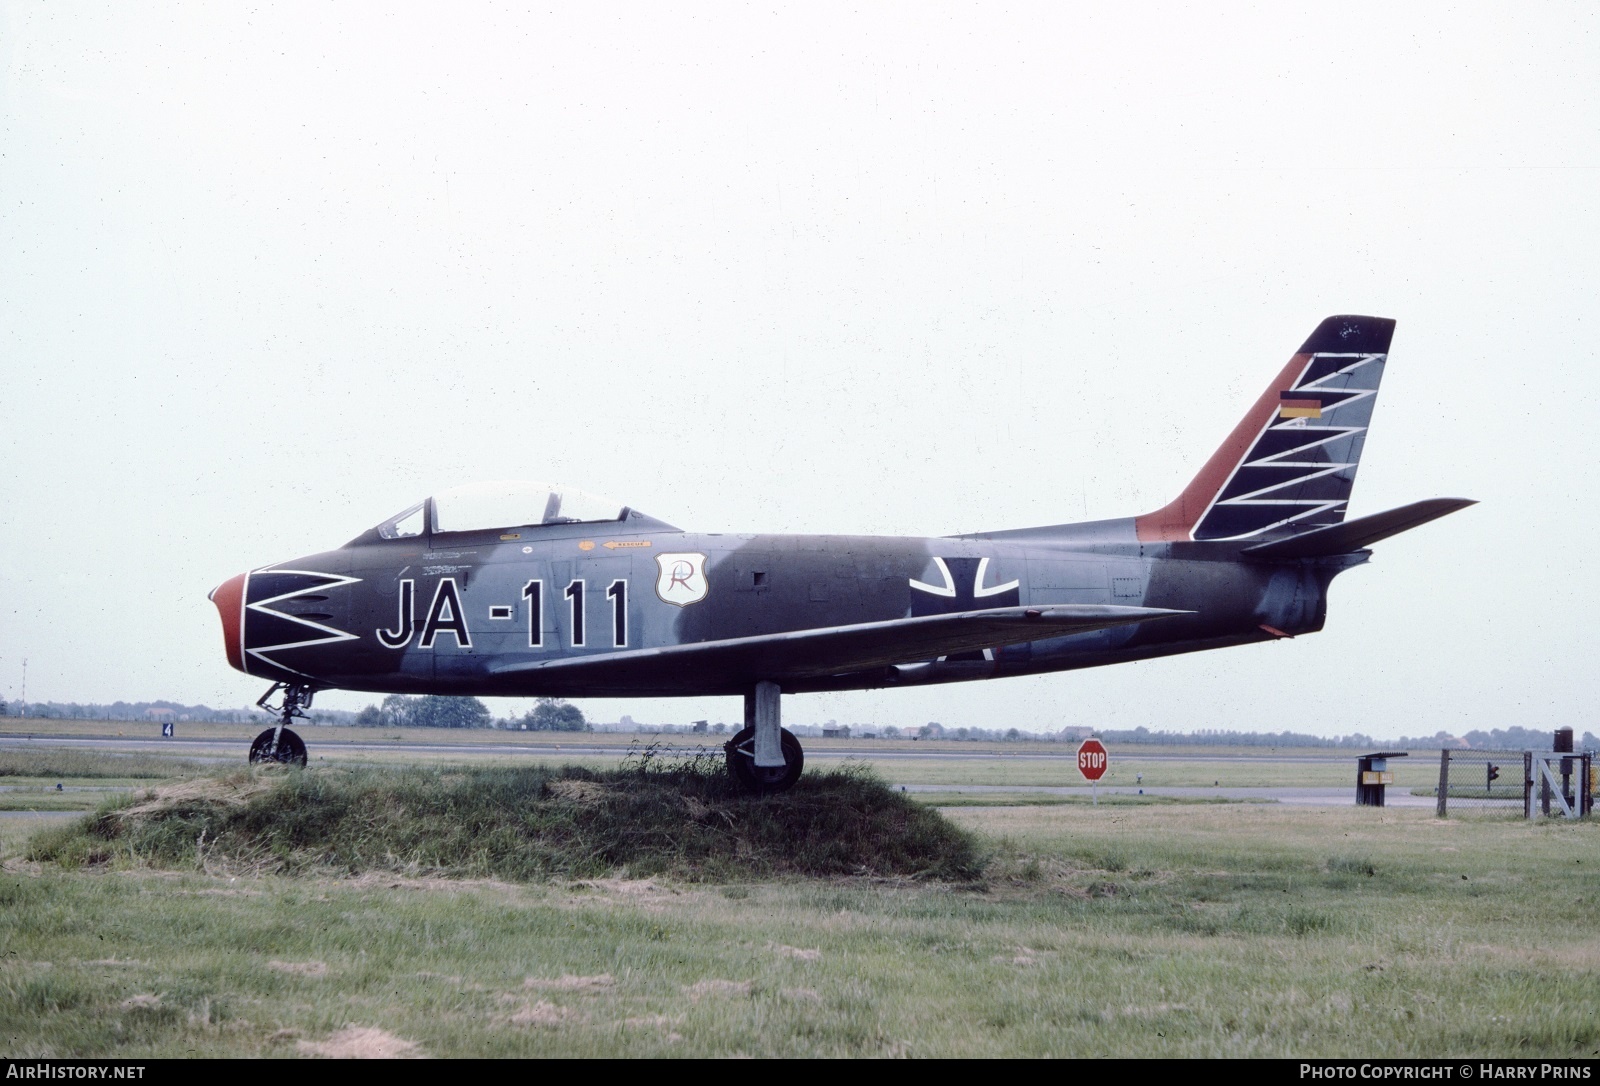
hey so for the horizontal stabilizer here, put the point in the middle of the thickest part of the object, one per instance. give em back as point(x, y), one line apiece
point(833, 650)
point(1353, 535)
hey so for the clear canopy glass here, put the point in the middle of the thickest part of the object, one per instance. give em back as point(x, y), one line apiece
point(484, 506)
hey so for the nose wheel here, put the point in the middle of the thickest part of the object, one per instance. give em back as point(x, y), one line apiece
point(278, 743)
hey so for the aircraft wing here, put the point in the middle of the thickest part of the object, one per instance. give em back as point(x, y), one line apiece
point(834, 650)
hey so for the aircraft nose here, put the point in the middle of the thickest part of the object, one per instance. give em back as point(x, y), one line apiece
point(229, 598)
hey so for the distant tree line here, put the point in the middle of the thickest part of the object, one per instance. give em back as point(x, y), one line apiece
point(1214, 737)
point(935, 730)
point(439, 711)
point(1498, 739)
point(553, 715)
point(428, 711)
point(397, 710)
point(1513, 738)
point(137, 710)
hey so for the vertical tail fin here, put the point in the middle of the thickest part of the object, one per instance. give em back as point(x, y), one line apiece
point(1291, 461)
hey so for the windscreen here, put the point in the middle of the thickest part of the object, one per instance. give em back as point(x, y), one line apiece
point(482, 506)
point(403, 525)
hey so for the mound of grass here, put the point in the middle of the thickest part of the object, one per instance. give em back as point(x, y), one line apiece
point(687, 820)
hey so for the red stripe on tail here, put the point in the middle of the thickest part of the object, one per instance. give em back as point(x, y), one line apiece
point(1177, 519)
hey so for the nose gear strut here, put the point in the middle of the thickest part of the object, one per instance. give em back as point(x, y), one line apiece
point(278, 743)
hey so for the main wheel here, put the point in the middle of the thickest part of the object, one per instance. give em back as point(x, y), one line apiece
point(291, 748)
point(742, 766)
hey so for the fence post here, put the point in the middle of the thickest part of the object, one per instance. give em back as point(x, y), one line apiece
point(1527, 785)
point(1444, 780)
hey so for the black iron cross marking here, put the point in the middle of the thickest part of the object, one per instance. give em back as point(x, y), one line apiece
point(963, 589)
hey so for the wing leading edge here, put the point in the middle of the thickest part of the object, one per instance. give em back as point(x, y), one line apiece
point(834, 650)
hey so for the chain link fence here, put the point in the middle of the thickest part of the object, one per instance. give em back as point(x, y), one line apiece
point(1515, 783)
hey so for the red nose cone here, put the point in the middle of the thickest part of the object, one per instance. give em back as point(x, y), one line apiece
point(229, 598)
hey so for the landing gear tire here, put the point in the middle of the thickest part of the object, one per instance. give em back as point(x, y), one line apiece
point(741, 751)
point(279, 744)
point(291, 749)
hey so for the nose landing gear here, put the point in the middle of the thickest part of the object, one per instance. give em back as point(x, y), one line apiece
point(278, 743)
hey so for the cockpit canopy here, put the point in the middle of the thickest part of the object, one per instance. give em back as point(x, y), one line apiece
point(485, 506)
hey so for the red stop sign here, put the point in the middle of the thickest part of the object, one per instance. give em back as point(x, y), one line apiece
point(1092, 759)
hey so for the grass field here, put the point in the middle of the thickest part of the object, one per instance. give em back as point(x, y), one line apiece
point(29, 779)
point(1194, 929)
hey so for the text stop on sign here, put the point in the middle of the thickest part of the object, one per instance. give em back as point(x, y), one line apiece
point(1092, 759)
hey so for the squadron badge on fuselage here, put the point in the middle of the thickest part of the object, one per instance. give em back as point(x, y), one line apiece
point(682, 579)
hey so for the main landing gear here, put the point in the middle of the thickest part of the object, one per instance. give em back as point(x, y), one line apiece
point(278, 743)
point(764, 757)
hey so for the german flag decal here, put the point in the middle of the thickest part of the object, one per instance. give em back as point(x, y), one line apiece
point(1295, 405)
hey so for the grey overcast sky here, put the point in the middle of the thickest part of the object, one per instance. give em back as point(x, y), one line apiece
point(271, 272)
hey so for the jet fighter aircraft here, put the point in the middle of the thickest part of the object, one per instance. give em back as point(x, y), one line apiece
point(524, 590)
